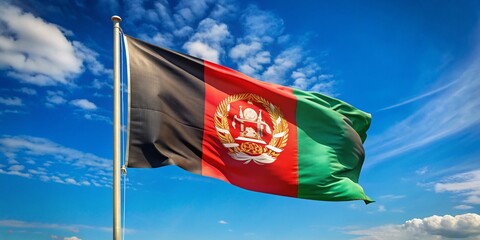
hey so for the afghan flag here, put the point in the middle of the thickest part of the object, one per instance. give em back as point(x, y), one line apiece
point(217, 122)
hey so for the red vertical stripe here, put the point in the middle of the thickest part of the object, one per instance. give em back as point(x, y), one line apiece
point(279, 177)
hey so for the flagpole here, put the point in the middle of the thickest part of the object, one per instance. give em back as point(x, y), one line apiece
point(116, 129)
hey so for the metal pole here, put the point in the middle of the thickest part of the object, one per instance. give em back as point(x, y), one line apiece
point(116, 129)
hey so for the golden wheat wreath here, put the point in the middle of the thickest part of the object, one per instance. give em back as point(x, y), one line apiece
point(279, 135)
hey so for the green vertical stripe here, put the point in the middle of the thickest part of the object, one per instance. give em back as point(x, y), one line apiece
point(330, 152)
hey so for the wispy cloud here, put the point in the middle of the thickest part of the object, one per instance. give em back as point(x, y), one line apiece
point(466, 226)
point(99, 84)
point(445, 114)
point(392, 197)
point(55, 98)
point(98, 117)
point(466, 185)
point(15, 101)
point(421, 171)
point(16, 170)
point(54, 162)
point(463, 207)
point(28, 91)
point(75, 228)
point(260, 25)
point(89, 57)
point(310, 77)
point(419, 97)
point(381, 208)
point(72, 238)
point(83, 104)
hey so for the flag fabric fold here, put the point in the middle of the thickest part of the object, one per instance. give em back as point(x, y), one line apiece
point(214, 121)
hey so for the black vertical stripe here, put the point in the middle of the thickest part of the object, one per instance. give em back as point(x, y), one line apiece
point(167, 107)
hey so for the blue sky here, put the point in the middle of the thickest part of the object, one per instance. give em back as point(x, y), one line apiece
point(414, 65)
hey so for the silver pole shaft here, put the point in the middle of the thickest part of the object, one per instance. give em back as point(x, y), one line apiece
point(116, 130)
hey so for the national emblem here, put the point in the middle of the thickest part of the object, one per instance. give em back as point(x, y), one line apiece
point(248, 142)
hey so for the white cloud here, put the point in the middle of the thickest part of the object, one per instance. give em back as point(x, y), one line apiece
point(392, 197)
point(283, 63)
point(162, 12)
point(463, 207)
point(188, 11)
point(43, 147)
point(465, 226)
point(381, 208)
point(98, 117)
point(183, 32)
point(446, 113)
point(90, 58)
point(99, 84)
point(12, 161)
point(8, 111)
point(244, 50)
point(37, 172)
point(136, 10)
point(72, 227)
point(71, 238)
point(16, 170)
point(259, 24)
point(15, 101)
point(71, 181)
point(224, 9)
point(253, 50)
point(257, 61)
point(222, 222)
point(250, 57)
point(253, 57)
point(23, 224)
point(421, 171)
point(353, 206)
point(73, 164)
point(83, 104)
point(55, 98)
point(35, 50)
point(28, 91)
point(326, 87)
point(202, 50)
point(417, 98)
point(161, 39)
point(260, 28)
point(85, 182)
point(466, 185)
point(37, 79)
point(177, 19)
point(208, 41)
point(309, 78)
point(56, 179)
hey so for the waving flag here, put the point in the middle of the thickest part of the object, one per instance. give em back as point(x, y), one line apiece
point(214, 121)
